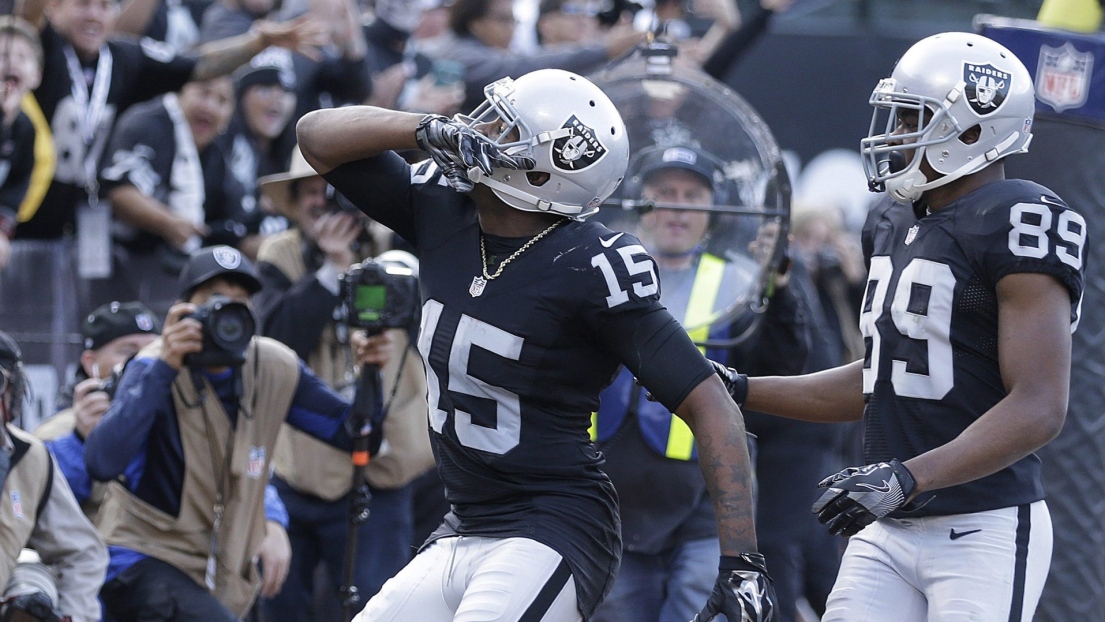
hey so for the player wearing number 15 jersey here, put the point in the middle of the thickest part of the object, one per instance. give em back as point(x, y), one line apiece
point(528, 311)
point(974, 288)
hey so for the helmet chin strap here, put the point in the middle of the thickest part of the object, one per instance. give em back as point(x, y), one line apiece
point(539, 205)
point(910, 191)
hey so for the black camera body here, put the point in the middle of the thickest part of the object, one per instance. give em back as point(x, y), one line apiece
point(228, 328)
point(377, 296)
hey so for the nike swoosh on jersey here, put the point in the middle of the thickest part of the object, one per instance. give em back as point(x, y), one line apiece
point(608, 243)
point(954, 535)
point(1048, 201)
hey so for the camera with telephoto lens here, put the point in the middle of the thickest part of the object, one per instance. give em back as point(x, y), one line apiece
point(379, 295)
point(32, 592)
point(228, 327)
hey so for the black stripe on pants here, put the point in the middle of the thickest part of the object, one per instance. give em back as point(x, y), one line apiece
point(1024, 529)
point(548, 594)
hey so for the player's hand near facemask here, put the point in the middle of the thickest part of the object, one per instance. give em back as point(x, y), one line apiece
point(456, 148)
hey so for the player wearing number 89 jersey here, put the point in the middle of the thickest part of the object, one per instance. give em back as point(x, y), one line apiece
point(929, 317)
point(973, 291)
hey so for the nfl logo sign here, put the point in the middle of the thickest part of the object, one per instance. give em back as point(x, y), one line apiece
point(256, 464)
point(1063, 76)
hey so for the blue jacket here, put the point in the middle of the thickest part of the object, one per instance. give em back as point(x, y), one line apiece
point(139, 439)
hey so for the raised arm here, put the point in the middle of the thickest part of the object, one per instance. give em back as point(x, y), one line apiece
point(221, 57)
point(135, 16)
point(331, 137)
point(34, 11)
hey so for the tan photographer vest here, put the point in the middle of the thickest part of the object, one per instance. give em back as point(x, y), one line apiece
point(27, 486)
point(217, 458)
point(313, 467)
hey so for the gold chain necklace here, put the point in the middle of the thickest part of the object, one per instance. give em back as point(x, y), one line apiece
point(480, 282)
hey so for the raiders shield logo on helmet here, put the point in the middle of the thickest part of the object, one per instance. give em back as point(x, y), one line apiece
point(579, 149)
point(986, 86)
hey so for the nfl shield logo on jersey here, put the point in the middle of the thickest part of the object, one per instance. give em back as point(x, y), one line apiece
point(579, 149)
point(1063, 76)
point(987, 87)
point(911, 234)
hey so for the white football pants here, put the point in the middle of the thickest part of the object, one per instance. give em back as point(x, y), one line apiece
point(477, 579)
point(982, 567)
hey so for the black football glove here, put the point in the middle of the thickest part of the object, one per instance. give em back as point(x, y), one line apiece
point(743, 591)
point(735, 382)
point(456, 148)
point(857, 496)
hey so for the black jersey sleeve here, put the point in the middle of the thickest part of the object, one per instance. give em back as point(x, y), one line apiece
point(656, 348)
point(140, 152)
point(623, 309)
point(1034, 232)
point(152, 67)
point(380, 186)
point(20, 163)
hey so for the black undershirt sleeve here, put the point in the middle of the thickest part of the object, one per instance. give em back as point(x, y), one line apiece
point(380, 187)
point(654, 346)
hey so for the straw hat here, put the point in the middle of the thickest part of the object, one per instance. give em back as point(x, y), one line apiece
point(278, 187)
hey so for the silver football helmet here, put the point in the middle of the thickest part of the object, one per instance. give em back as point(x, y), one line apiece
point(571, 130)
point(952, 82)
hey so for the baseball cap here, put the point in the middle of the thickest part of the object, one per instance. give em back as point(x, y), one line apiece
point(687, 158)
point(271, 66)
point(212, 261)
point(117, 319)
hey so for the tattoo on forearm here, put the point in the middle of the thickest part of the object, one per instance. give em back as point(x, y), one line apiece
point(724, 463)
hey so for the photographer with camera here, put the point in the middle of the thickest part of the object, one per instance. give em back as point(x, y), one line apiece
point(301, 298)
point(191, 431)
point(112, 334)
point(40, 512)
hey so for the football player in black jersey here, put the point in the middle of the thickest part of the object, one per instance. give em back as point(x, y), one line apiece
point(528, 311)
point(974, 288)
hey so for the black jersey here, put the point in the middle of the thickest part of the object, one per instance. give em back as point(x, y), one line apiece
point(930, 321)
point(136, 72)
point(156, 155)
point(515, 372)
point(17, 162)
